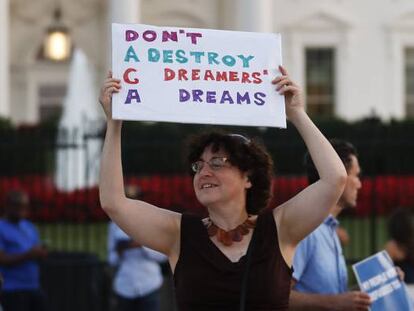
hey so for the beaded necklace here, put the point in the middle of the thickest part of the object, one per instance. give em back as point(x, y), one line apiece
point(228, 237)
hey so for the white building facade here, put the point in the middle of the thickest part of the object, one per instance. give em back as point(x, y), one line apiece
point(354, 58)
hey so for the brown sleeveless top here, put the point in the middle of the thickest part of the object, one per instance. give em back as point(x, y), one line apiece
point(206, 280)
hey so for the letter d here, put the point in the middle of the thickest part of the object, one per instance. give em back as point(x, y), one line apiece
point(131, 35)
point(153, 55)
point(184, 95)
point(169, 74)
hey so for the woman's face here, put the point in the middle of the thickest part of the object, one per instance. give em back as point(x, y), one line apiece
point(219, 182)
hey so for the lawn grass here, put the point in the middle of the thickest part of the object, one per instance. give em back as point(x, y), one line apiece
point(367, 236)
point(73, 237)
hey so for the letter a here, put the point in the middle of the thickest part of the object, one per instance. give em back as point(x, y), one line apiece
point(132, 94)
point(131, 54)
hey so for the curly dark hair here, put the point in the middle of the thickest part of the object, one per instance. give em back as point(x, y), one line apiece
point(247, 155)
point(343, 148)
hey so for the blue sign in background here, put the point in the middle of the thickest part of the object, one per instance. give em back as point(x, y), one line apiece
point(376, 276)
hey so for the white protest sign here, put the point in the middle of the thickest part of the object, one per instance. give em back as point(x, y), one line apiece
point(190, 75)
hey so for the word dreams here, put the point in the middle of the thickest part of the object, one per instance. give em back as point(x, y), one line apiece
point(224, 97)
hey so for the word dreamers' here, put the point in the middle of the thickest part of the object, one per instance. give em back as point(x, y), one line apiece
point(164, 36)
point(154, 55)
point(212, 75)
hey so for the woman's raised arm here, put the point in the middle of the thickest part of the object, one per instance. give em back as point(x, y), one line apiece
point(148, 225)
point(303, 213)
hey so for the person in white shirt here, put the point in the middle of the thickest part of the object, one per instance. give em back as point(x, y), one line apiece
point(138, 275)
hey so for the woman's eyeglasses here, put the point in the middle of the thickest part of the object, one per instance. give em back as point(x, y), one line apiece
point(214, 163)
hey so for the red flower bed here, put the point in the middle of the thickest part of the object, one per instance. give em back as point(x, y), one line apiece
point(378, 195)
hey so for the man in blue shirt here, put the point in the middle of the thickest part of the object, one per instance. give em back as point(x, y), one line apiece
point(20, 248)
point(320, 274)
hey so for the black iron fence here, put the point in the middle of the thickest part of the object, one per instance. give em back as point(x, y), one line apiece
point(158, 148)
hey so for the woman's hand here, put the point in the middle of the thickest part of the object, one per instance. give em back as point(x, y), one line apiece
point(293, 94)
point(110, 86)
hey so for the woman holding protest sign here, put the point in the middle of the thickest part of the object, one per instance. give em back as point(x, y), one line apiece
point(240, 256)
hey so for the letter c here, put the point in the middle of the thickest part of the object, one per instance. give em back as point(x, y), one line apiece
point(126, 76)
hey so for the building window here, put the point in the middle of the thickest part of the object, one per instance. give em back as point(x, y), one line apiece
point(51, 102)
point(409, 82)
point(320, 81)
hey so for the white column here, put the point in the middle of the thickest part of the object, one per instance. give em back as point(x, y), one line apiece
point(4, 59)
point(120, 11)
point(125, 11)
point(255, 15)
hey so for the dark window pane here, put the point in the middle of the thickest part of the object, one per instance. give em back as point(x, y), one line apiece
point(320, 81)
point(409, 82)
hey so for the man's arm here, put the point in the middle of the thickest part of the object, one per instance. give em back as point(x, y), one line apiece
point(123, 245)
point(348, 301)
point(301, 301)
point(34, 253)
